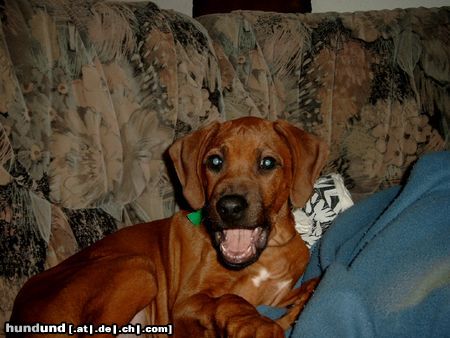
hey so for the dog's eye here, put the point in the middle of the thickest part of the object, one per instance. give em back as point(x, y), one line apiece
point(214, 162)
point(267, 163)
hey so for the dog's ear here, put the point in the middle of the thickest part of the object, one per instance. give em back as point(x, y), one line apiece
point(309, 155)
point(187, 155)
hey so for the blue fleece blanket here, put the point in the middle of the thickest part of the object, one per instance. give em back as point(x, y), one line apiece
point(385, 263)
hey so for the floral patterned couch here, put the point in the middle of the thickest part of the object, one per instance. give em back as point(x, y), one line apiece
point(92, 93)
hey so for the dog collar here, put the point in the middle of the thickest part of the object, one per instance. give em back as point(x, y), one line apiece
point(195, 217)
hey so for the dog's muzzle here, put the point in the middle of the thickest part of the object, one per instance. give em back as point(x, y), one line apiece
point(239, 240)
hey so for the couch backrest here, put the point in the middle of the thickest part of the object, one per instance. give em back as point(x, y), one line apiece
point(374, 85)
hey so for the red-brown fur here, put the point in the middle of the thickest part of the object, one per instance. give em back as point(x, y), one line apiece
point(171, 267)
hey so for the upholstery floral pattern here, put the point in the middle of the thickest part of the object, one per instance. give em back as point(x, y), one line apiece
point(374, 85)
point(91, 96)
point(93, 92)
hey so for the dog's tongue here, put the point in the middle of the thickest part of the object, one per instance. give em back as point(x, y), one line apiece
point(237, 240)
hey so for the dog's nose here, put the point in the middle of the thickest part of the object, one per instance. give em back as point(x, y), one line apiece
point(231, 207)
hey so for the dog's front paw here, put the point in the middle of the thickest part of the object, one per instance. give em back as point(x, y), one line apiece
point(259, 327)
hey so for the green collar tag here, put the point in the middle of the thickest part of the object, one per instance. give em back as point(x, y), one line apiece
point(196, 217)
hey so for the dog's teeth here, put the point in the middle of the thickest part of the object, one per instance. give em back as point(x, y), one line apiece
point(244, 254)
point(256, 233)
point(237, 257)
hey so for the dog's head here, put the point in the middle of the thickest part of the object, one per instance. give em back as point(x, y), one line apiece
point(243, 173)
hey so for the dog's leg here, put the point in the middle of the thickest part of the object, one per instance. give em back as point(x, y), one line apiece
point(297, 302)
point(225, 316)
point(98, 290)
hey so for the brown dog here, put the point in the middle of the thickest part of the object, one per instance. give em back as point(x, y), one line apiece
point(205, 279)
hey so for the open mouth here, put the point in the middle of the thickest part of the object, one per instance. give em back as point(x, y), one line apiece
point(241, 246)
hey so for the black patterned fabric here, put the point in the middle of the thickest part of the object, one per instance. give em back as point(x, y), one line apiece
point(330, 197)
